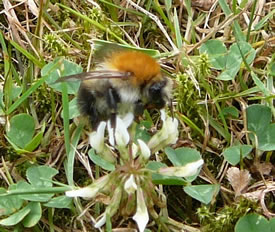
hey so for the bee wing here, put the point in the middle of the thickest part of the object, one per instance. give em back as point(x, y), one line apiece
point(96, 75)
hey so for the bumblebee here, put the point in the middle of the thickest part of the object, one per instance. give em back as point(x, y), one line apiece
point(123, 81)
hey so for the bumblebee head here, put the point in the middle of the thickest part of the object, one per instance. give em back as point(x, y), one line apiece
point(158, 92)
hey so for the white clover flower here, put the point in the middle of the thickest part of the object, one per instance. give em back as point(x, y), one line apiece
point(187, 170)
point(2, 120)
point(134, 150)
point(91, 190)
point(101, 221)
point(130, 185)
point(168, 134)
point(145, 150)
point(96, 138)
point(86, 192)
point(141, 216)
point(121, 136)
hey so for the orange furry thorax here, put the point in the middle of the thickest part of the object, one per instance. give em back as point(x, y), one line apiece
point(143, 66)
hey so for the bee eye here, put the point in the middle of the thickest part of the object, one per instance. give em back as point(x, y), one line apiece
point(156, 87)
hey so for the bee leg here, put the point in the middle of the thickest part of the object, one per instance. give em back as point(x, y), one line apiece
point(139, 108)
point(171, 108)
point(112, 100)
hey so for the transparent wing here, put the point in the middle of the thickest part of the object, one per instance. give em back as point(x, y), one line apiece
point(96, 75)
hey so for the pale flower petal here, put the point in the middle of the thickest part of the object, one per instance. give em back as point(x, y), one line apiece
point(141, 217)
point(111, 133)
point(128, 119)
point(101, 221)
point(130, 185)
point(91, 190)
point(187, 170)
point(2, 120)
point(162, 114)
point(121, 136)
point(96, 138)
point(121, 133)
point(87, 192)
point(168, 134)
point(172, 130)
point(134, 150)
point(145, 150)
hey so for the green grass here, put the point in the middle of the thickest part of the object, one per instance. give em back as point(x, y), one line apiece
point(222, 100)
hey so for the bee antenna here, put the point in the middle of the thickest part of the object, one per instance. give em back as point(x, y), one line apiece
point(171, 108)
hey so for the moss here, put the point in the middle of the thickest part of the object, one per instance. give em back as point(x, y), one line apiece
point(226, 218)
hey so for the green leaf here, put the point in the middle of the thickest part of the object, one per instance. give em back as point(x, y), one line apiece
point(73, 109)
point(203, 193)
point(258, 121)
point(266, 138)
point(234, 60)
point(64, 68)
point(141, 131)
point(177, 29)
point(34, 143)
point(25, 95)
point(34, 216)
point(216, 51)
point(230, 111)
point(16, 91)
point(21, 129)
point(272, 224)
point(252, 223)
point(41, 176)
point(60, 202)
point(39, 197)
point(100, 161)
point(258, 118)
point(225, 7)
point(99, 44)
point(26, 53)
point(16, 148)
point(9, 204)
point(16, 217)
point(161, 179)
point(216, 125)
point(262, 22)
point(182, 156)
point(260, 84)
point(233, 154)
point(271, 71)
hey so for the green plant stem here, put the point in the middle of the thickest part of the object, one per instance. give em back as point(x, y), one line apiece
point(71, 155)
point(37, 62)
point(50, 217)
point(252, 13)
point(163, 16)
point(190, 123)
point(65, 104)
point(93, 22)
point(35, 191)
point(122, 8)
point(209, 91)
